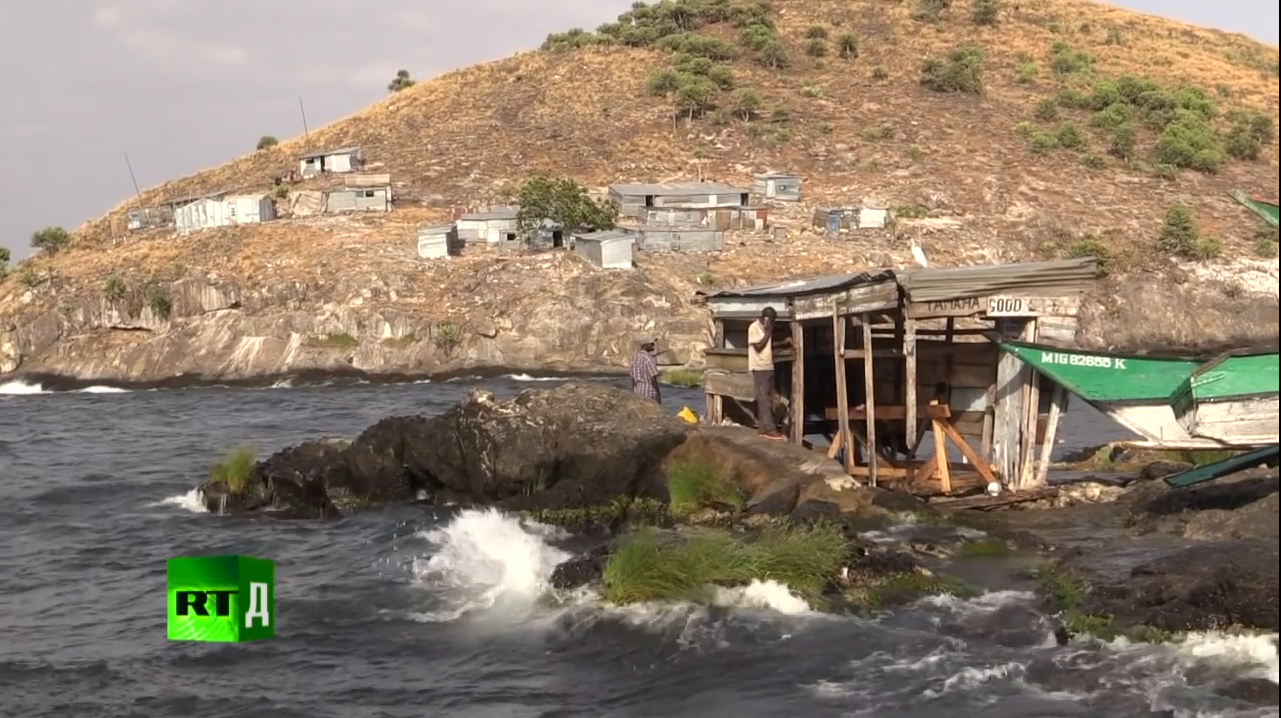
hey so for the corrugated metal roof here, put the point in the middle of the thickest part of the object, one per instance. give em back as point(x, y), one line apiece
point(500, 213)
point(802, 287)
point(931, 285)
point(777, 175)
point(435, 229)
point(607, 235)
point(196, 198)
point(329, 153)
point(677, 188)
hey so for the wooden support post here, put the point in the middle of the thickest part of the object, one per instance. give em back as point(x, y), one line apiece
point(1032, 409)
point(869, 385)
point(943, 470)
point(1010, 373)
point(798, 382)
point(1058, 404)
point(843, 438)
point(909, 370)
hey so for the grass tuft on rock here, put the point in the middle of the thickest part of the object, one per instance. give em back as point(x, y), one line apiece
point(693, 484)
point(647, 566)
point(234, 470)
point(685, 378)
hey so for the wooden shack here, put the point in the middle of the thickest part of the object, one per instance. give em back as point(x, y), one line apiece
point(881, 358)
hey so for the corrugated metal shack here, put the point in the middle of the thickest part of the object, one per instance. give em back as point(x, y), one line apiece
point(221, 210)
point(439, 241)
point(834, 220)
point(136, 219)
point(549, 236)
point(883, 361)
point(359, 199)
point(608, 249)
point(778, 186)
point(660, 238)
point(191, 214)
point(494, 225)
point(725, 218)
point(343, 159)
point(632, 199)
point(250, 208)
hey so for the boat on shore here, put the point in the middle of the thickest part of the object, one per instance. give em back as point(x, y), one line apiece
point(1136, 391)
point(1232, 399)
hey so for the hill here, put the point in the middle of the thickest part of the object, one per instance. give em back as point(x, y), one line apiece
point(1044, 128)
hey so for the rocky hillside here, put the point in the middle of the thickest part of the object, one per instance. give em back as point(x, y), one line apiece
point(995, 130)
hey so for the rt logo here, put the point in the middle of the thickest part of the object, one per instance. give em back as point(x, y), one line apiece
point(222, 599)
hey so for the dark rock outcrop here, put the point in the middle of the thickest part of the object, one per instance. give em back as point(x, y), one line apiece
point(578, 445)
point(1228, 579)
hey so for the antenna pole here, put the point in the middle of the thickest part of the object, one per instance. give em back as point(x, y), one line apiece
point(134, 179)
point(306, 134)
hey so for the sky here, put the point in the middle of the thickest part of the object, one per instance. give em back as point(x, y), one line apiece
point(181, 85)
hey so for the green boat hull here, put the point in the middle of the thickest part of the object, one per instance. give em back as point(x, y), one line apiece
point(1134, 391)
point(1267, 211)
point(1232, 399)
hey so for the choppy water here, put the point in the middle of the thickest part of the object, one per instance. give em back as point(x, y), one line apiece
point(406, 612)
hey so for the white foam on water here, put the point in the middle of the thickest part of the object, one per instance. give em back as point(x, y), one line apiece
point(193, 501)
point(1253, 656)
point(526, 377)
point(770, 595)
point(487, 560)
point(283, 384)
point(985, 603)
point(21, 388)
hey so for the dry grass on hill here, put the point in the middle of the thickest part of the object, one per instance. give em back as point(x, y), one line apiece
point(856, 128)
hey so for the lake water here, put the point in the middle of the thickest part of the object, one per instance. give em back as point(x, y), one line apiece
point(411, 612)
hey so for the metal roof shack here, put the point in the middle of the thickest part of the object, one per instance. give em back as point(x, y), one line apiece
point(809, 298)
point(343, 159)
point(779, 186)
point(632, 199)
point(607, 249)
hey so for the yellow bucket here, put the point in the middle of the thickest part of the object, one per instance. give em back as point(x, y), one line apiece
point(688, 415)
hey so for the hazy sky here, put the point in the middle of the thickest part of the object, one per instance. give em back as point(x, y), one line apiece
point(183, 85)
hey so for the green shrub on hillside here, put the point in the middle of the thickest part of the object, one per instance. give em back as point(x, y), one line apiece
point(50, 240)
point(1181, 238)
point(984, 12)
point(961, 71)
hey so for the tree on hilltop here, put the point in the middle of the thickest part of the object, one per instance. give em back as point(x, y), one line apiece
point(266, 142)
point(50, 240)
point(561, 201)
point(4, 262)
point(402, 81)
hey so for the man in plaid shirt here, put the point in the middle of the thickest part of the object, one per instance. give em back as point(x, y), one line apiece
point(645, 370)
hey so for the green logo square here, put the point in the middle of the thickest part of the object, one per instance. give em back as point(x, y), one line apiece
point(221, 599)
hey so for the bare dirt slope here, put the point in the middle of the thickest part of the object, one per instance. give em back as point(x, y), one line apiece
point(1049, 128)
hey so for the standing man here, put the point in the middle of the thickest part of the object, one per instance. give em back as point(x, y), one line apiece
point(645, 370)
point(760, 362)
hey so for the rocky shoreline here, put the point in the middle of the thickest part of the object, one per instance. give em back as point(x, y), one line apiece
point(312, 377)
point(679, 510)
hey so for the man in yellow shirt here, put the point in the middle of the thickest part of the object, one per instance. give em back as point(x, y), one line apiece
point(760, 362)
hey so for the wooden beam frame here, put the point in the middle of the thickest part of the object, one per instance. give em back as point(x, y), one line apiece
point(843, 438)
point(1058, 405)
point(1032, 413)
point(798, 383)
point(911, 431)
point(869, 385)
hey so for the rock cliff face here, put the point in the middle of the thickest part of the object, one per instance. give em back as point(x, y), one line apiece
point(563, 316)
